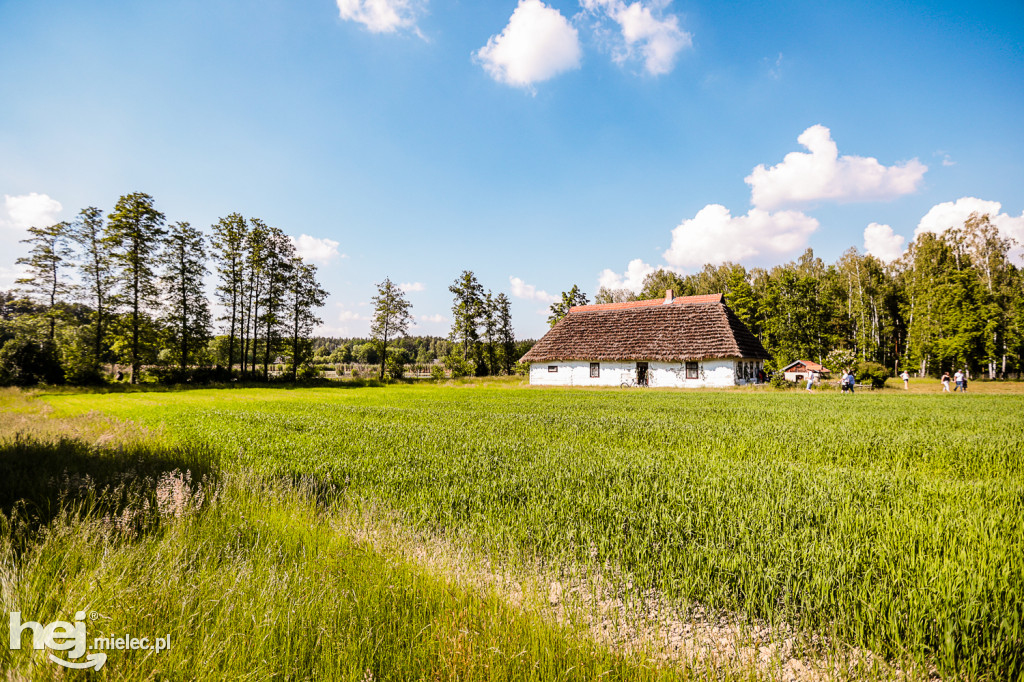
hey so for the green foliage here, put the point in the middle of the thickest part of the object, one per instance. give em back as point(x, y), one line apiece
point(186, 320)
point(871, 372)
point(394, 368)
point(467, 310)
point(458, 366)
point(27, 362)
point(437, 373)
point(570, 298)
point(391, 318)
point(134, 236)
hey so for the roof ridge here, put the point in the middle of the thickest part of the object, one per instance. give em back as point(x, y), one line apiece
point(624, 305)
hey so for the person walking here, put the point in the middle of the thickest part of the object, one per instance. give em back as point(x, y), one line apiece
point(906, 380)
point(945, 382)
point(958, 378)
point(810, 381)
point(963, 386)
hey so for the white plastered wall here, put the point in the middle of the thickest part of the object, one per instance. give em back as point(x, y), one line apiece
point(710, 373)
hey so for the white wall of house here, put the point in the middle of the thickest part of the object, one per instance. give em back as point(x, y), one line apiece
point(710, 373)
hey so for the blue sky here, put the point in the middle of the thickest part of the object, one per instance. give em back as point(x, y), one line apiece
point(539, 144)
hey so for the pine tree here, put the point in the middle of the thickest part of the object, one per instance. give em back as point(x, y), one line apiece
point(134, 233)
point(489, 319)
point(466, 312)
point(506, 335)
point(279, 255)
point(391, 317)
point(96, 274)
point(305, 295)
point(255, 278)
point(46, 262)
point(229, 238)
point(188, 312)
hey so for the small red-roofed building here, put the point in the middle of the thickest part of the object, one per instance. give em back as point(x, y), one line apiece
point(798, 371)
point(678, 341)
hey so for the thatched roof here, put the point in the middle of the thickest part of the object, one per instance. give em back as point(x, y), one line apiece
point(671, 330)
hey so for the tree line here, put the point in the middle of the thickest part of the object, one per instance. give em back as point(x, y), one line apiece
point(481, 342)
point(128, 289)
point(953, 300)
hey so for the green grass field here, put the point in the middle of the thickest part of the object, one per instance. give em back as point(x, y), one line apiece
point(889, 521)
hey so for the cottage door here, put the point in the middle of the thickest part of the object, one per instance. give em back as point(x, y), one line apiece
point(641, 374)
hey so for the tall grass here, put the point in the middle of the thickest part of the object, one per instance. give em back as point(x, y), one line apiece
point(249, 575)
point(892, 522)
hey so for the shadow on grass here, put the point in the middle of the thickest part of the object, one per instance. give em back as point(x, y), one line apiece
point(130, 485)
point(170, 388)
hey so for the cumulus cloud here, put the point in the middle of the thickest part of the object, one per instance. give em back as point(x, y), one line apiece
point(949, 214)
point(714, 235)
point(824, 175)
point(381, 16)
point(316, 250)
point(643, 32)
point(10, 275)
point(632, 278)
point(29, 210)
point(882, 243)
point(537, 44)
point(436, 319)
point(521, 289)
point(411, 286)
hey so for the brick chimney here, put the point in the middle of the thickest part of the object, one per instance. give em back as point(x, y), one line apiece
point(668, 297)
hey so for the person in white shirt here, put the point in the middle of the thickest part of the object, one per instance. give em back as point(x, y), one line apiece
point(958, 379)
point(906, 380)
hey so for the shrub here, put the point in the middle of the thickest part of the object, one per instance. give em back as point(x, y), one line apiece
point(459, 366)
point(871, 372)
point(437, 373)
point(27, 362)
point(394, 368)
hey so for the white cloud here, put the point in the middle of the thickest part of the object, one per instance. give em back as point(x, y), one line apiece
point(643, 32)
point(632, 278)
point(10, 275)
point(949, 214)
point(30, 210)
point(352, 316)
point(537, 44)
point(412, 286)
point(317, 250)
point(715, 236)
point(436, 319)
point(882, 243)
point(381, 16)
point(521, 289)
point(823, 174)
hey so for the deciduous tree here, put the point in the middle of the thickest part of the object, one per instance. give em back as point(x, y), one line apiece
point(570, 298)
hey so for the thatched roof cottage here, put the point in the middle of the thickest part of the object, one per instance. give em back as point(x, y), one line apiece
point(685, 341)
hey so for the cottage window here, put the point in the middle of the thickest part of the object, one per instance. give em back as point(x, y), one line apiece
point(595, 370)
point(691, 370)
point(552, 368)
